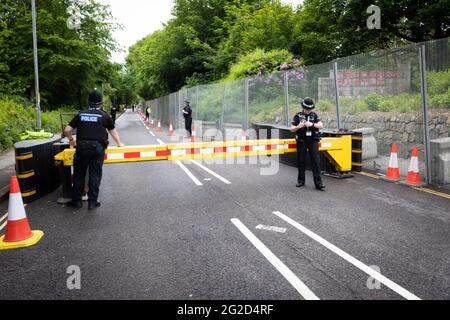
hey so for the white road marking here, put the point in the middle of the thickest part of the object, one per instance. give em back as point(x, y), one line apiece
point(190, 175)
point(152, 133)
point(271, 228)
point(374, 274)
point(304, 291)
point(161, 142)
point(211, 172)
point(5, 216)
point(3, 225)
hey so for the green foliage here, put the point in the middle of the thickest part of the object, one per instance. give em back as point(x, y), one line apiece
point(267, 110)
point(15, 119)
point(325, 105)
point(259, 62)
point(438, 82)
point(209, 40)
point(440, 101)
point(387, 106)
point(373, 101)
point(71, 62)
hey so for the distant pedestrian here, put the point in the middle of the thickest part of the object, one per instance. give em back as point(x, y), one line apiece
point(113, 114)
point(306, 125)
point(148, 112)
point(187, 114)
point(92, 127)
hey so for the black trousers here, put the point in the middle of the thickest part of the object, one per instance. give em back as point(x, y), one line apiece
point(188, 125)
point(303, 146)
point(91, 158)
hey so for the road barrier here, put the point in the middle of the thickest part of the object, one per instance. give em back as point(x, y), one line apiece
point(35, 167)
point(337, 150)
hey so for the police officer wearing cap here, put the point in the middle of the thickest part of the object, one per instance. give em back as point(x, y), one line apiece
point(306, 125)
point(187, 114)
point(92, 127)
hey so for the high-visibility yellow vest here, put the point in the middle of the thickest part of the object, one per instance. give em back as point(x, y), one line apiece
point(30, 135)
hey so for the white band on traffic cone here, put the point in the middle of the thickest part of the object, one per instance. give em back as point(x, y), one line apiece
point(414, 165)
point(393, 160)
point(16, 209)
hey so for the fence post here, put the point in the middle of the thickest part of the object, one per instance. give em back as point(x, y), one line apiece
point(336, 86)
point(178, 111)
point(222, 125)
point(246, 105)
point(196, 103)
point(286, 99)
point(426, 141)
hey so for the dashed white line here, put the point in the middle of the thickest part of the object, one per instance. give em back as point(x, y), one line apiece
point(211, 172)
point(152, 133)
point(190, 175)
point(304, 291)
point(4, 217)
point(271, 228)
point(161, 142)
point(374, 274)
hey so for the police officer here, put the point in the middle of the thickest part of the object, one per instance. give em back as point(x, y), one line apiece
point(113, 114)
point(187, 114)
point(148, 112)
point(306, 125)
point(92, 139)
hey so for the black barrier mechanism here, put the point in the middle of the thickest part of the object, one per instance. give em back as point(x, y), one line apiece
point(290, 159)
point(35, 167)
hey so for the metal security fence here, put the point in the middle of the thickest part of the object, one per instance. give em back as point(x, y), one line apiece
point(399, 95)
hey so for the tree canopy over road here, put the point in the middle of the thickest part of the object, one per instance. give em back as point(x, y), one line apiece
point(207, 37)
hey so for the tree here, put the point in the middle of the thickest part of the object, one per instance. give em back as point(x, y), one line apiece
point(71, 62)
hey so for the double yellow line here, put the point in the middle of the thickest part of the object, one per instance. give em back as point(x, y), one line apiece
point(436, 193)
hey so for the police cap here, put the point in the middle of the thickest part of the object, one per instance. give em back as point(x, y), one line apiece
point(308, 103)
point(95, 99)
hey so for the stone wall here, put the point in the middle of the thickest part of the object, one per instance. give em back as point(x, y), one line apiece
point(405, 129)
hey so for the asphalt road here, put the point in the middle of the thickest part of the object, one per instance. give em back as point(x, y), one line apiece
point(159, 235)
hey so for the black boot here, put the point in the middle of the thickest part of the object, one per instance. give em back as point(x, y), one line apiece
point(93, 205)
point(320, 187)
point(75, 204)
point(300, 184)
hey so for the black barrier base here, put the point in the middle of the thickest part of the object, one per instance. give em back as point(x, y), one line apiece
point(290, 159)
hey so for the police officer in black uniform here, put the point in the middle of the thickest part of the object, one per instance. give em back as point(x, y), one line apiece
point(113, 114)
point(187, 113)
point(92, 139)
point(306, 125)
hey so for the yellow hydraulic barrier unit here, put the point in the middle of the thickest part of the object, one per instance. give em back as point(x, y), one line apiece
point(337, 150)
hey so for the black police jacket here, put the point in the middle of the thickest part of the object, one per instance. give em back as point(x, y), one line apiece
point(303, 133)
point(187, 112)
point(92, 124)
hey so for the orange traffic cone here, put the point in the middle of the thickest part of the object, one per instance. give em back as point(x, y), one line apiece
point(159, 125)
point(393, 173)
point(18, 232)
point(153, 122)
point(171, 131)
point(193, 135)
point(413, 178)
